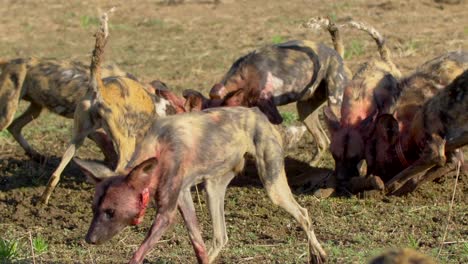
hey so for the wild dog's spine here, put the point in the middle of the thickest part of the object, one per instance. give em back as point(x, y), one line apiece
point(384, 52)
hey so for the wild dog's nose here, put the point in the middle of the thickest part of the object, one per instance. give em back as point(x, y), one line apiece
point(90, 239)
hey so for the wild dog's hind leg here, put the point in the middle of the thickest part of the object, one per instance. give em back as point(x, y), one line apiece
point(215, 191)
point(270, 165)
point(187, 209)
point(33, 111)
point(308, 114)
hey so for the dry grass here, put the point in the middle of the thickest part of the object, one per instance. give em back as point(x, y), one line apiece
point(191, 46)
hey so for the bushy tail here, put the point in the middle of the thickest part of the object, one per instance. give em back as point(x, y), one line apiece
point(384, 52)
point(327, 23)
point(98, 54)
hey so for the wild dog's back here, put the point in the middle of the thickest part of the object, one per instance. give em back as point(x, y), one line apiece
point(427, 80)
point(58, 85)
point(446, 113)
point(214, 138)
point(445, 68)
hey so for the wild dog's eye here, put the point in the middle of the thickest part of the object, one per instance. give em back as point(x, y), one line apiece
point(109, 213)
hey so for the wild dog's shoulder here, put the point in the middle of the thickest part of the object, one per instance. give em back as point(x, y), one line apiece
point(121, 92)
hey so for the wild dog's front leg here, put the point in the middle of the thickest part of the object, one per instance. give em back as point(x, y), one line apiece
point(187, 209)
point(215, 191)
point(162, 222)
point(270, 165)
point(434, 154)
point(431, 175)
point(81, 129)
point(67, 156)
point(33, 111)
point(125, 146)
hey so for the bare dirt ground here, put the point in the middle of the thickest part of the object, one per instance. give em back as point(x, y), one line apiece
point(191, 45)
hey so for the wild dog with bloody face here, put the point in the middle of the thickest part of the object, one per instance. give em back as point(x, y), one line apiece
point(183, 150)
point(304, 72)
point(46, 83)
point(439, 128)
point(399, 139)
point(120, 106)
point(372, 90)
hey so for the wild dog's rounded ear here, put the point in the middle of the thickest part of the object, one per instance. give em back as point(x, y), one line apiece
point(235, 98)
point(218, 91)
point(268, 107)
point(140, 176)
point(158, 85)
point(94, 171)
point(331, 119)
point(194, 100)
point(387, 128)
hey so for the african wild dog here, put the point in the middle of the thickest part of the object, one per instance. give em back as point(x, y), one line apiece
point(180, 151)
point(402, 256)
point(412, 140)
point(120, 106)
point(372, 90)
point(304, 72)
point(46, 83)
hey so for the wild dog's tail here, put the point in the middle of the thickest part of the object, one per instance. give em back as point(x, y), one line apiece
point(384, 52)
point(326, 22)
point(98, 54)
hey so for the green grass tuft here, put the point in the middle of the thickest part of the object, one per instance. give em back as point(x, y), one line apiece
point(289, 117)
point(356, 48)
point(8, 250)
point(87, 21)
point(276, 39)
point(40, 245)
point(412, 242)
point(5, 134)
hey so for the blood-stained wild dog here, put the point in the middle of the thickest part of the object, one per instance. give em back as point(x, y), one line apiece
point(372, 90)
point(46, 83)
point(182, 150)
point(304, 72)
point(419, 140)
point(120, 106)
